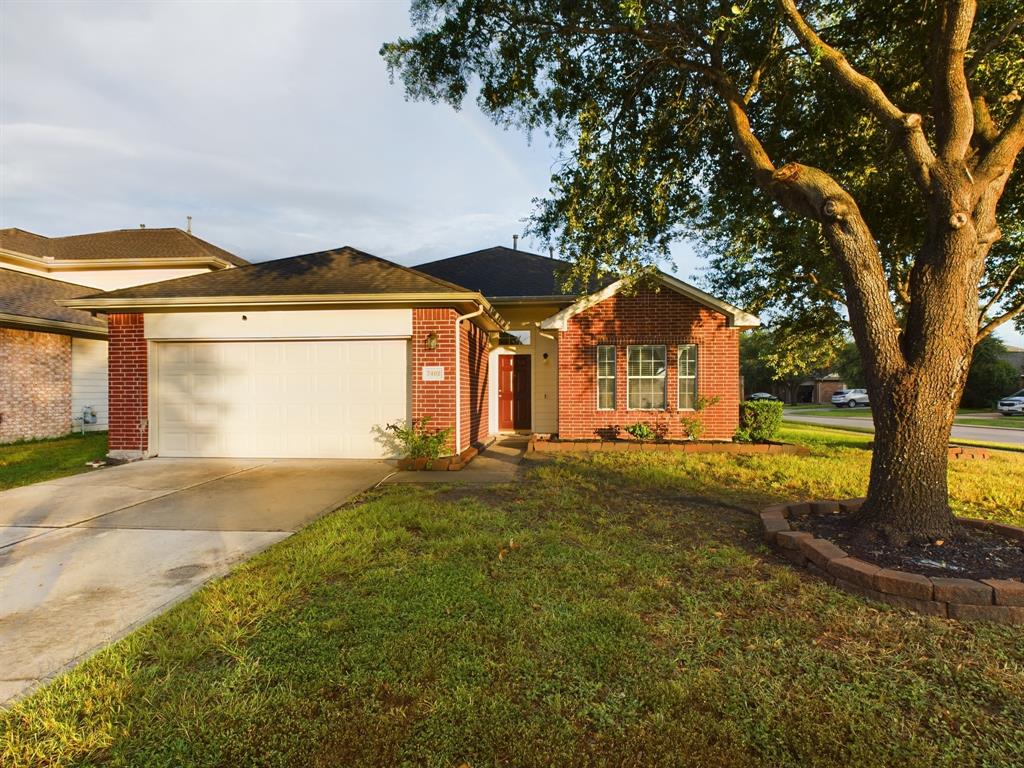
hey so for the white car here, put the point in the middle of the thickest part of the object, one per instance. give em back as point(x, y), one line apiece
point(1012, 405)
point(851, 398)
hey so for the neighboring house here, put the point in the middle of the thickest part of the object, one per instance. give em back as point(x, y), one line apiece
point(817, 390)
point(313, 355)
point(53, 360)
point(1015, 357)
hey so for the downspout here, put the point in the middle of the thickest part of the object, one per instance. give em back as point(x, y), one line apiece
point(458, 377)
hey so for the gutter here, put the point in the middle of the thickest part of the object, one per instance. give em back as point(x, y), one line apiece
point(71, 265)
point(66, 328)
point(100, 303)
point(458, 377)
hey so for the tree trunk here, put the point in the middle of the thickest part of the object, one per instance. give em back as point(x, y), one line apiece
point(907, 493)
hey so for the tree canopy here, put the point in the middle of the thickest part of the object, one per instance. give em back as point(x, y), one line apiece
point(633, 93)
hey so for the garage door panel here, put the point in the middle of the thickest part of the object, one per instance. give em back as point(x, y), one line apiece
point(315, 399)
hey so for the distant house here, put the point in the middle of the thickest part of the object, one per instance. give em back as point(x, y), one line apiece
point(1015, 357)
point(816, 390)
point(53, 359)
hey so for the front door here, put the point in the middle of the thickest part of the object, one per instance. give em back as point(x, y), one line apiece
point(513, 392)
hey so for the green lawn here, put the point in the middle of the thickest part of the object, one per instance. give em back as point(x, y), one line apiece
point(37, 460)
point(968, 417)
point(612, 609)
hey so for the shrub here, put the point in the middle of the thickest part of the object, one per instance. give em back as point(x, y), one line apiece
point(760, 421)
point(693, 425)
point(642, 431)
point(418, 441)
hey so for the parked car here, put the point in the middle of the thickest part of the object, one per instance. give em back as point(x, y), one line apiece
point(1012, 405)
point(763, 396)
point(851, 398)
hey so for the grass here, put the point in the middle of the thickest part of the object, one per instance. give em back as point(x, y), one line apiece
point(612, 609)
point(34, 461)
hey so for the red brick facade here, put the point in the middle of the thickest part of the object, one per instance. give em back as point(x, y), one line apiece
point(129, 385)
point(474, 403)
point(436, 399)
point(35, 385)
point(649, 317)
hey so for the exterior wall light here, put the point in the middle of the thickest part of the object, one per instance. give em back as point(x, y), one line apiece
point(432, 340)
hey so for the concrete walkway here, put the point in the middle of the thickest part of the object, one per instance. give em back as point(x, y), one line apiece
point(85, 559)
point(499, 463)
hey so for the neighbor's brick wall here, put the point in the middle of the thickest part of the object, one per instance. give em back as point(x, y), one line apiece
point(35, 385)
point(129, 386)
point(649, 317)
point(474, 350)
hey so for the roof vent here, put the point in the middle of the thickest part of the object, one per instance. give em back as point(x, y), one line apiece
point(142, 226)
point(515, 242)
point(188, 227)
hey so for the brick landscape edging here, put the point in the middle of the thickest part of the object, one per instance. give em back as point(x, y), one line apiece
point(998, 600)
point(545, 445)
point(443, 464)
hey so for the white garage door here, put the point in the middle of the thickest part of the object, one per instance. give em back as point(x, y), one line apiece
point(280, 399)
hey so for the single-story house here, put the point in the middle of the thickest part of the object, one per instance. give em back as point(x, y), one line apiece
point(313, 355)
point(54, 359)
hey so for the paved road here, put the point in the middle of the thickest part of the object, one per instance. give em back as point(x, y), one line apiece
point(979, 434)
point(85, 559)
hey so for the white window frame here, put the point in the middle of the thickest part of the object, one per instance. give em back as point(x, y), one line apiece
point(613, 377)
point(663, 377)
point(680, 378)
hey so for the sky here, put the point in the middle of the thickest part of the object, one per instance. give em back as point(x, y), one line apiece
point(274, 125)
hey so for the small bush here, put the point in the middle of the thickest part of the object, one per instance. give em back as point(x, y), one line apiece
point(418, 441)
point(693, 425)
point(642, 431)
point(760, 421)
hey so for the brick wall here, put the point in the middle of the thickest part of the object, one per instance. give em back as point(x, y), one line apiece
point(35, 385)
point(129, 387)
point(436, 399)
point(649, 317)
point(474, 404)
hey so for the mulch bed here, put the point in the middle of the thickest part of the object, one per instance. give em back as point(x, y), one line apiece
point(969, 554)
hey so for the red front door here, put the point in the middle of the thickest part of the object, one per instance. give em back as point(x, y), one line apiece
point(514, 392)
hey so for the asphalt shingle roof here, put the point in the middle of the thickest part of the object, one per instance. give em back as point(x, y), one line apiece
point(166, 243)
point(32, 296)
point(342, 271)
point(502, 271)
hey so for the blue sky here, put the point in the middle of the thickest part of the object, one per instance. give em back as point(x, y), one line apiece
point(273, 125)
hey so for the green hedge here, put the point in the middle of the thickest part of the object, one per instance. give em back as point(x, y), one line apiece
point(760, 421)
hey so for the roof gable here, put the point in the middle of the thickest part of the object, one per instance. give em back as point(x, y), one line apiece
point(735, 316)
point(504, 273)
point(125, 245)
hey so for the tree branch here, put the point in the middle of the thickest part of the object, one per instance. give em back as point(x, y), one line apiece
point(1000, 292)
point(905, 126)
point(987, 329)
point(1002, 154)
point(994, 42)
point(954, 115)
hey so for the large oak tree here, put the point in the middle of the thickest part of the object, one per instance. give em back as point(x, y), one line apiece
point(844, 161)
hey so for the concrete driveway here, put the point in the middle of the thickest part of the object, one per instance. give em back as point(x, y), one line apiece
point(87, 558)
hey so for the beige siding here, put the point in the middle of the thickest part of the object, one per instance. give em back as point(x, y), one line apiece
point(104, 279)
point(89, 381)
point(544, 394)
